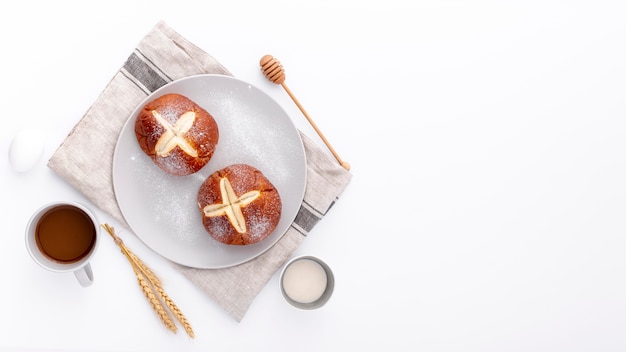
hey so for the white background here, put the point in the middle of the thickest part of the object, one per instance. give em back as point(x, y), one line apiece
point(486, 210)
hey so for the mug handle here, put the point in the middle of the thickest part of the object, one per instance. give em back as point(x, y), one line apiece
point(84, 275)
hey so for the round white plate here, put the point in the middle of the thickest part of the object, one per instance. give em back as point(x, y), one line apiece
point(162, 210)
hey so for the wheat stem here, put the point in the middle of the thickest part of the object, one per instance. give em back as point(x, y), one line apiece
point(144, 269)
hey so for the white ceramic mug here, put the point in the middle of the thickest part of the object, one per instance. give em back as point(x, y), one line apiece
point(54, 217)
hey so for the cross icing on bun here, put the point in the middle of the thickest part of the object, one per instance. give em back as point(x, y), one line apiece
point(177, 134)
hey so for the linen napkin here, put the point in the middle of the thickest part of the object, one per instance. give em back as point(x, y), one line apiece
point(85, 160)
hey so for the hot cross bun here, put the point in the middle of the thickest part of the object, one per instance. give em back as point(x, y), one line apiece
point(239, 205)
point(177, 134)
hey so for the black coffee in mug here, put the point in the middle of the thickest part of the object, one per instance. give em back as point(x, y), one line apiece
point(65, 234)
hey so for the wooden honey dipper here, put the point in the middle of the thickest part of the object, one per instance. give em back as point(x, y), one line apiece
point(273, 70)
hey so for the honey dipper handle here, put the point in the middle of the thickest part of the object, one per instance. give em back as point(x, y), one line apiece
point(343, 164)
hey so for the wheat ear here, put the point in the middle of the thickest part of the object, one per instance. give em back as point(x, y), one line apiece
point(156, 283)
point(155, 302)
point(177, 313)
point(149, 282)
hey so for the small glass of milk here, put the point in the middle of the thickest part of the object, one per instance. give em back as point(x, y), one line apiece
point(306, 282)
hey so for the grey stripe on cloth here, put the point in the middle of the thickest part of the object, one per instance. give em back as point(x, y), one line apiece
point(146, 76)
point(305, 219)
point(161, 57)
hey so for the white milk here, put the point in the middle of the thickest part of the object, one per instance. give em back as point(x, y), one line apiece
point(304, 281)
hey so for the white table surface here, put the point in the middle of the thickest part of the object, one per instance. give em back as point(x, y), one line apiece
point(487, 143)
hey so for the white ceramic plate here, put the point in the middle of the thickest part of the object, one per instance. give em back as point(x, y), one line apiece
point(162, 209)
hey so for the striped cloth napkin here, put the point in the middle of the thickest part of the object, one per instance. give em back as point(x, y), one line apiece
point(161, 57)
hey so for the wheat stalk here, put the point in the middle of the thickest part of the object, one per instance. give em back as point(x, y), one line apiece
point(143, 268)
point(149, 283)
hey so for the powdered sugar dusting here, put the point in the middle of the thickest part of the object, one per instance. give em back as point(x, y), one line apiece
point(167, 201)
point(253, 139)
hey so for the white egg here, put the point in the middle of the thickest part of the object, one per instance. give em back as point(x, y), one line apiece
point(26, 150)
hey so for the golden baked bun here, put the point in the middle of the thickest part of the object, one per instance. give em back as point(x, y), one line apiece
point(239, 205)
point(177, 134)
